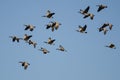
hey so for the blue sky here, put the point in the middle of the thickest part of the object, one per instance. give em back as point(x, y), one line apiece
point(87, 56)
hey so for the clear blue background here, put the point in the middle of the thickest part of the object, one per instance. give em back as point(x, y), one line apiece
point(87, 57)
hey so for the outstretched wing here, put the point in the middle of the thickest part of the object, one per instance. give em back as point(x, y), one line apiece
point(84, 28)
point(87, 9)
point(86, 15)
point(27, 27)
point(104, 25)
point(99, 9)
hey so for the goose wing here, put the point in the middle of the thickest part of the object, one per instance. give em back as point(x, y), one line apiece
point(87, 9)
point(84, 28)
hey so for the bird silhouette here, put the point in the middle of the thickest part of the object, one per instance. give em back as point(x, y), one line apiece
point(27, 37)
point(44, 50)
point(24, 64)
point(32, 43)
point(82, 29)
point(29, 27)
point(85, 10)
point(15, 38)
point(103, 26)
point(57, 24)
point(53, 25)
point(89, 15)
point(111, 45)
point(49, 14)
point(61, 48)
point(101, 7)
point(50, 25)
point(50, 41)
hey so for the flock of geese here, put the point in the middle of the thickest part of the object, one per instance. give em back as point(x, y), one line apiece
point(53, 25)
point(104, 28)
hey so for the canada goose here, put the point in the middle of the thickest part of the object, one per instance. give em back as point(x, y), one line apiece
point(32, 43)
point(82, 29)
point(30, 27)
point(49, 14)
point(61, 48)
point(84, 11)
point(24, 64)
point(57, 24)
point(14, 38)
point(50, 25)
point(89, 15)
point(45, 51)
point(50, 41)
point(100, 7)
point(53, 25)
point(27, 37)
point(111, 46)
point(103, 26)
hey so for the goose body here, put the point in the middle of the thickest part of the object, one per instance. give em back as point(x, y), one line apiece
point(57, 24)
point(101, 7)
point(24, 64)
point(32, 43)
point(53, 25)
point(15, 38)
point(49, 14)
point(27, 37)
point(89, 15)
point(61, 48)
point(29, 27)
point(50, 41)
point(82, 29)
point(111, 46)
point(103, 26)
point(85, 10)
point(44, 50)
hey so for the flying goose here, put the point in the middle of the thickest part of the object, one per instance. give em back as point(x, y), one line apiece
point(101, 7)
point(27, 37)
point(44, 50)
point(61, 48)
point(24, 64)
point(82, 29)
point(111, 46)
point(14, 38)
point(32, 43)
point(89, 15)
point(30, 27)
point(50, 25)
point(103, 26)
point(50, 41)
point(57, 24)
point(84, 11)
point(53, 25)
point(49, 14)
